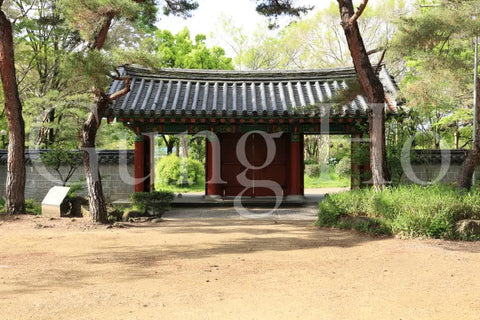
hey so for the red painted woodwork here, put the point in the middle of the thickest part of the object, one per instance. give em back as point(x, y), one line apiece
point(256, 154)
point(139, 164)
point(296, 168)
point(211, 189)
point(286, 169)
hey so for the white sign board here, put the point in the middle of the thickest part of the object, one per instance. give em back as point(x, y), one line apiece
point(52, 201)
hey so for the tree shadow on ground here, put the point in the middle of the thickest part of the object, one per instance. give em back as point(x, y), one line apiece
point(287, 237)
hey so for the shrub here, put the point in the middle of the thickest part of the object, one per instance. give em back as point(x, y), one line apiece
point(412, 210)
point(343, 167)
point(152, 203)
point(310, 161)
point(171, 170)
point(32, 207)
point(2, 205)
point(312, 170)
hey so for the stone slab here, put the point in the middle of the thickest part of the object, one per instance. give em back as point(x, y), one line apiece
point(52, 201)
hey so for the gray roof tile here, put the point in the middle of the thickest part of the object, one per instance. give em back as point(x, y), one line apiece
point(175, 91)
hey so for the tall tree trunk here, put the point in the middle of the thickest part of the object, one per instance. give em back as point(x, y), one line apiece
point(98, 208)
point(169, 143)
point(15, 185)
point(323, 142)
point(464, 179)
point(372, 88)
point(184, 146)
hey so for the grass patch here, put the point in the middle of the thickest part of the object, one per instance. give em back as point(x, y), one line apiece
point(410, 211)
point(199, 186)
point(326, 181)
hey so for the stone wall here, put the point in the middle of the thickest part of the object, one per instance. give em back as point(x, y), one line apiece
point(435, 165)
point(116, 169)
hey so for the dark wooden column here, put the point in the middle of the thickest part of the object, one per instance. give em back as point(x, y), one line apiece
point(139, 163)
point(295, 165)
point(213, 162)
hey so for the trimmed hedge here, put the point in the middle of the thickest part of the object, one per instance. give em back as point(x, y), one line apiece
point(152, 203)
point(410, 210)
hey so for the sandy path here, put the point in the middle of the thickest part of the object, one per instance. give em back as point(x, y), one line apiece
point(222, 269)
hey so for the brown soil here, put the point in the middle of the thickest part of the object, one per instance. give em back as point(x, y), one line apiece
point(226, 269)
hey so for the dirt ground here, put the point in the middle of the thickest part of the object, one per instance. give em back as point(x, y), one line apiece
point(229, 269)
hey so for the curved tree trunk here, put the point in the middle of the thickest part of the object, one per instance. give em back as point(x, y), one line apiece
point(372, 87)
point(15, 185)
point(98, 208)
point(464, 179)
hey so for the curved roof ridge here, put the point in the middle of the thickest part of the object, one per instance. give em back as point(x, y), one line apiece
point(241, 75)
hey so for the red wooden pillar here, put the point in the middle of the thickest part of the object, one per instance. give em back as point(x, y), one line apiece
point(213, 188)
point(139, 163)
point(296, 165)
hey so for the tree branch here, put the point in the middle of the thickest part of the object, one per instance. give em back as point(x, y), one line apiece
point(379, 65)
point(122, 92)
point(376, 50)
point(359, 12)
point(101, 35)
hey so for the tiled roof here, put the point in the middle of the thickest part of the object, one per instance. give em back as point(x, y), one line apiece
point(230, 93)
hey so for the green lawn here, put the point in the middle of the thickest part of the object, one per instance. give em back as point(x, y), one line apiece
point(198, 187)
point(331, 181)
point(326, 181)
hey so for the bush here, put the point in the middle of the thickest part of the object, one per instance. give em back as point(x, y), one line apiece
point(171, 170)
point(2, 205)
point(343, 167)
point(310, 161)
point(32, 207)
point(152, 203)
point(312, 170)
point(412, 210)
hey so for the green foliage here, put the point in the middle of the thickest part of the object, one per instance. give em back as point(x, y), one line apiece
point(172, 170)
point(2, 205)
point(75, 187)
point(326, 180)
point(32, 207)
point(343, 167)
point(91, 68)
point(436, 45)
point(316, 41)
point(156, 202)
point(371, 226)
point(86, 15)
point(179, 8)
point(162, 49)
point(312, 170)
point(58, 158)
point(411, 211)
point(199, 186)
point(55, 119)
point(115, 136)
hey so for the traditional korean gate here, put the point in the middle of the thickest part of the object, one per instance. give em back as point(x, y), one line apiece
point(256, 155)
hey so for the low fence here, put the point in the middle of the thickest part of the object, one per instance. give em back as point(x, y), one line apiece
point(116, 170)
point(434, 166)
